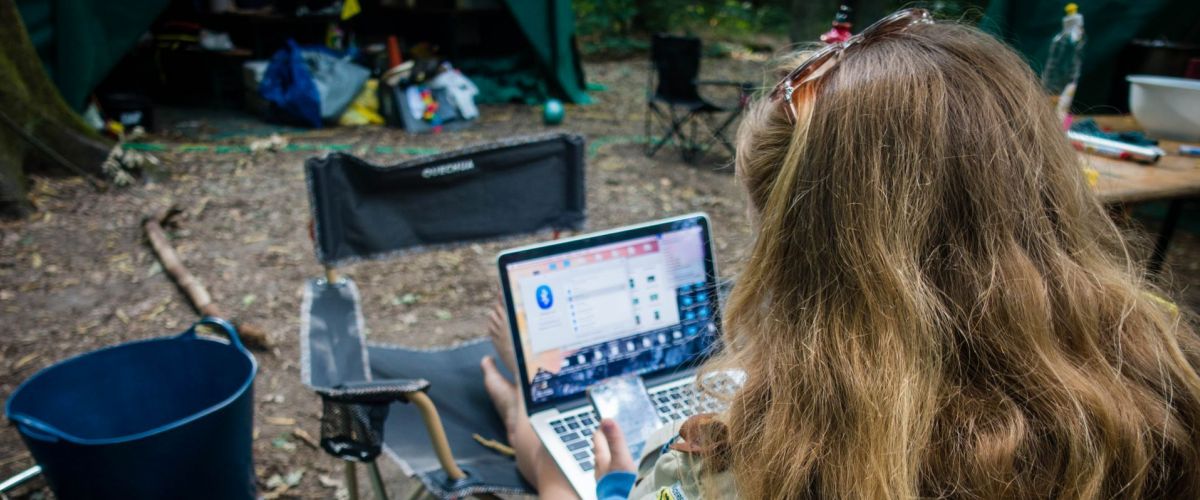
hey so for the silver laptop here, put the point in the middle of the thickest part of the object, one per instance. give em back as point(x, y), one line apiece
point(640, 299)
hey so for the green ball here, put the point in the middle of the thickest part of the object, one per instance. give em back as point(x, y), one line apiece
point(552, 112)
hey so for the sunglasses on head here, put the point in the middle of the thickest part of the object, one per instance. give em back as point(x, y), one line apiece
point(785, 90)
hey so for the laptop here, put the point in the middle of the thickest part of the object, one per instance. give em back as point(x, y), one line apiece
point(634, 300)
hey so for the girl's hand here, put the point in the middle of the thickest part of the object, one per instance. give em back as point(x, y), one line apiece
point(611, 451)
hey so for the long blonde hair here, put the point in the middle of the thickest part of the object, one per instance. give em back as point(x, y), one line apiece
point(935, 304)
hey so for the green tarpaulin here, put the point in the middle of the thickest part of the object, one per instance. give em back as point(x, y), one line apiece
point(549, 25)
point(79, 41)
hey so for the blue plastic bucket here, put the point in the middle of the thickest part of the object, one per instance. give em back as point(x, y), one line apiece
point(163, 418)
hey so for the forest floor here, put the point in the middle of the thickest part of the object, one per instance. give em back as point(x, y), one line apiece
point(79, 275)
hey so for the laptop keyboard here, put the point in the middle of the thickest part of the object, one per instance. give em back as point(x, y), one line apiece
point(675, 403)
point(576, 431)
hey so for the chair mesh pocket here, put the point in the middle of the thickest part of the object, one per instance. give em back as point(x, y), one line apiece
point(353, 431)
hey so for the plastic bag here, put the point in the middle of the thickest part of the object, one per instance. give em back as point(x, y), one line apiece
point(312, 84)
point(365, 108)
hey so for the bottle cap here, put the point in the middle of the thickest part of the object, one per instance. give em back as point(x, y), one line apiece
point(1072, 9)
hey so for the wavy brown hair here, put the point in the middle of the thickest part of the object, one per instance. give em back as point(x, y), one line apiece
point(936, 305)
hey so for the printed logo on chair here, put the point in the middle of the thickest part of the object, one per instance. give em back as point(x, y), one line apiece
point(448, 169)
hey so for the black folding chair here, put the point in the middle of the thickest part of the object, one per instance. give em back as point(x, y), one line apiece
point(674, 107)
point(363, 211)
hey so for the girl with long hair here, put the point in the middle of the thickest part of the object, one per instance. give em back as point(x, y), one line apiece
point(934, 304)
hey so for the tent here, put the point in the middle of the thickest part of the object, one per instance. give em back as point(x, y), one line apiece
point(55, 53)
point(80, 41)
point(550, 28)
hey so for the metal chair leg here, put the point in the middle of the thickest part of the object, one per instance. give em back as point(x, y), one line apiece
point(351, 480)
point(377, 481)
point(674, 130)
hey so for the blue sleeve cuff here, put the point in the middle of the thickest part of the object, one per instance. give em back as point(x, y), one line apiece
point(615, 485)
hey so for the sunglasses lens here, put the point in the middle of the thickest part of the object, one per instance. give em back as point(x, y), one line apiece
point(896, 22)
point(888, 25)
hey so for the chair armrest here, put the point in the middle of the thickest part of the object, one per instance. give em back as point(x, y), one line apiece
point(375, 391)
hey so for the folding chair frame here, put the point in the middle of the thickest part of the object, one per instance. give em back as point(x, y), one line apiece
point(676, 117)
point(433, 424)
point(567, 149)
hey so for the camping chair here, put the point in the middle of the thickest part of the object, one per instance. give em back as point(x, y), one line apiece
point(674, 106)
point(363, 211)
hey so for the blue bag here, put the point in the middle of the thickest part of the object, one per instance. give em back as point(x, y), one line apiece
point(312, 84)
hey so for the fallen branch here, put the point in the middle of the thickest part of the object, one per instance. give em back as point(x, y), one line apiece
point(251, 335)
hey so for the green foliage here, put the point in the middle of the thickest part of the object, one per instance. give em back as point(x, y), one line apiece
point(619, 27)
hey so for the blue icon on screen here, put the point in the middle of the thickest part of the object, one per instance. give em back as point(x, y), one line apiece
point(702, 297)
point(545, 299)
point(687, 300)
point(703, 312)
point(689, 315)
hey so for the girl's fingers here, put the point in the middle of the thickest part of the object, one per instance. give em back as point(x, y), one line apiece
point(619, 456)
point(601, 452)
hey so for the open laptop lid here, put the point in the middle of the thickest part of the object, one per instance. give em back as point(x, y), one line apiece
point(638, 299)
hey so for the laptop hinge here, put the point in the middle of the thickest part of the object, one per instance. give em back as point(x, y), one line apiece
point(573, 404)
point(650, 382)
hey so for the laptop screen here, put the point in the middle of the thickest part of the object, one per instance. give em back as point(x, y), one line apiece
point(640, 300)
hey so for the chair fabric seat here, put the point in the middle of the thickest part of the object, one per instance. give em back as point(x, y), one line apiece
point(465, 408)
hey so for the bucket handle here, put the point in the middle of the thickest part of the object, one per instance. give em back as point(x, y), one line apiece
point(218, 323)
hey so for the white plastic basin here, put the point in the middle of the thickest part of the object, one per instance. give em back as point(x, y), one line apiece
point(1167, 107)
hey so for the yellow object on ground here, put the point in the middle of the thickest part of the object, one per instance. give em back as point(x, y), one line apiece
point(364, 110)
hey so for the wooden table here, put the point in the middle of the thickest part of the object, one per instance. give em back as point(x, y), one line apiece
point(1174, 179)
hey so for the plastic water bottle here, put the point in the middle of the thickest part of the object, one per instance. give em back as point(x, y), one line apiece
point(1060, 75)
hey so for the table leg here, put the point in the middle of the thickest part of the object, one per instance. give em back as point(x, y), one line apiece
point(1165, 232)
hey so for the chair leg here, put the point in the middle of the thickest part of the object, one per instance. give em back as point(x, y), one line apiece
point(377, 481)
point(689, 148)
point(652, 146)
point(351, 480)
point(719, 132)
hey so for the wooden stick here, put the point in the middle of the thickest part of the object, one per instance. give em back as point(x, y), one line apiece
point(251, 335)
point(494, 445)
